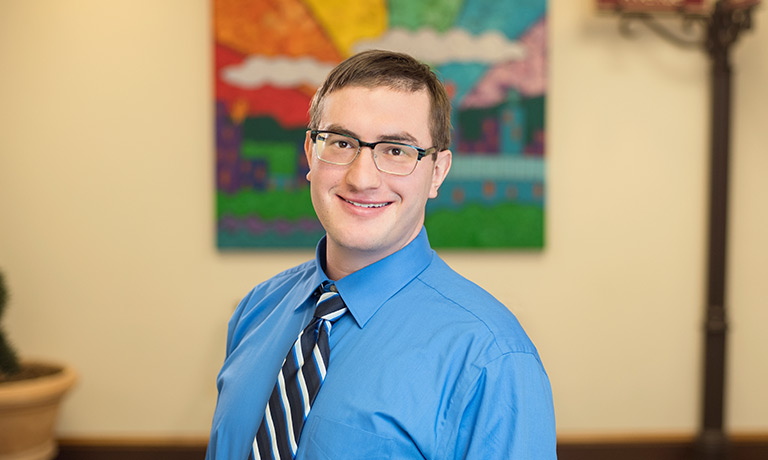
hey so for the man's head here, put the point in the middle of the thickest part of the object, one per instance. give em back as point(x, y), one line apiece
point(377, 68)
point(375, 110)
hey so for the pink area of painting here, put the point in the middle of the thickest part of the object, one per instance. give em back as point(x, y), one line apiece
point(528, 76)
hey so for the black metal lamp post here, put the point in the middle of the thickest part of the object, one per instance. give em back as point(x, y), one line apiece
point(722, 25)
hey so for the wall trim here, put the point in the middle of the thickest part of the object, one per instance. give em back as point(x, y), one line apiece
point(662, 446)
point(144, 441)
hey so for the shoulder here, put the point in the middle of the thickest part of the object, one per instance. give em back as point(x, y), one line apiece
point(277, 294)
point(268, 294)
point(287, 279)
point(476, 308)
point(498, 373)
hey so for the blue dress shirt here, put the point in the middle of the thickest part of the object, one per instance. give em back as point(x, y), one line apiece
point(426, 364)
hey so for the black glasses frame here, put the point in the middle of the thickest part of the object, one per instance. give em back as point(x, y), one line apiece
point(360, 144)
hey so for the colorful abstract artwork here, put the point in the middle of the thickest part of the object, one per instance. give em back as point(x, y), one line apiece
point(270, 57)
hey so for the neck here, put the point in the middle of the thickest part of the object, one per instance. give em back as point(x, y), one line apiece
point(340, 262)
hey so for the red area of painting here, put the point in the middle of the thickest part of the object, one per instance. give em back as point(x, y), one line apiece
point(225, 56)
point(286, 105)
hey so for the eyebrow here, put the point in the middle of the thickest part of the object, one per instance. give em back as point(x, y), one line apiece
point(402, 137)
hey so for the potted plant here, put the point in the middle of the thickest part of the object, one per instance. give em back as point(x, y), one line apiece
point(30, 392)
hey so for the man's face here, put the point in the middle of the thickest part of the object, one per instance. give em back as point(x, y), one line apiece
point(366, 213)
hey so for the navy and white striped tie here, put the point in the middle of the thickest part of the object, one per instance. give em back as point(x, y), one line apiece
point(298, 382)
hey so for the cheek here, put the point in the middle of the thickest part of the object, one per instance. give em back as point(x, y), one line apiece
point(417, 193)
point(322, 179)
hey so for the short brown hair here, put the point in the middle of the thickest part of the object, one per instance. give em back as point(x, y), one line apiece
point(394, 70)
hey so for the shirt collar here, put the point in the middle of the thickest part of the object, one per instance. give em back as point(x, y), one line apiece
point(306, 286)
point(366, 290)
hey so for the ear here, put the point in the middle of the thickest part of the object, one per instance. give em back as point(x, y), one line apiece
point(308, 148)
point(440, 171)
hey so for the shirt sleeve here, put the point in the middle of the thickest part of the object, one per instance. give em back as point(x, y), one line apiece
point(232, 336)
point(507, 413)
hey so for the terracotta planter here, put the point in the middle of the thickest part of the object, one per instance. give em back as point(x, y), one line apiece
point(28, 410)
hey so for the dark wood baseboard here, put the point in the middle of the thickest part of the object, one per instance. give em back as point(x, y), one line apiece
point(743, 447)
point(660, 451)
point(135, 448)
point(132, 452)
point(675, 447)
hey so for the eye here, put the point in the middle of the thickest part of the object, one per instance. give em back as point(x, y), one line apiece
point(342, 144)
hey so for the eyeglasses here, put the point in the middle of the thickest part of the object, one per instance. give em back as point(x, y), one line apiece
point(389, 157)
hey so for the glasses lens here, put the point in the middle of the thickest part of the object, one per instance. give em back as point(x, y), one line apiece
point(398, 159)
point(390, 157)
point(335, 148)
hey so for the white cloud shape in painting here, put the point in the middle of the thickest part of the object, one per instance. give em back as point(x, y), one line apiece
point(456, 45)
point(282, 72)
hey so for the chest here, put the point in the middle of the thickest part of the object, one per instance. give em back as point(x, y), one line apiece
point(389, 389)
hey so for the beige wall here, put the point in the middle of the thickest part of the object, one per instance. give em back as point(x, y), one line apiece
point(106, 186)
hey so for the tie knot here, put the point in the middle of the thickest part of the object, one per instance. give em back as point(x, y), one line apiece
point(330, 306)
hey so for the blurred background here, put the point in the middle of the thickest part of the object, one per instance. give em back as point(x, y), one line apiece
point(108, 247)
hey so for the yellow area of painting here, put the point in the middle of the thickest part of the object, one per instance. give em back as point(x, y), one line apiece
point(347, 21)
point(270, 28)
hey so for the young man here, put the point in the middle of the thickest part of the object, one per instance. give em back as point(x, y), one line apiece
point(423, 363)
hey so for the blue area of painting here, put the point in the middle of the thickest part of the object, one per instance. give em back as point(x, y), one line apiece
point(253, 232)
point(228, 140)
point(460, 79)
point(242, 239)
point(459, 193)
point(464, 75)
point(512, 119)
point(511, 17)
point(497, 167)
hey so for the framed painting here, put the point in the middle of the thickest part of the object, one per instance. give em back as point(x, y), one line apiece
point(270, 57)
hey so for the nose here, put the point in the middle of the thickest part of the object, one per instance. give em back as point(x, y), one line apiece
point(362, 173)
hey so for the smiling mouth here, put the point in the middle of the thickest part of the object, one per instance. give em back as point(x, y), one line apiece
point(367, 205)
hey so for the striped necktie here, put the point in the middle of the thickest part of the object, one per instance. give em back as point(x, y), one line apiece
point(298, 382)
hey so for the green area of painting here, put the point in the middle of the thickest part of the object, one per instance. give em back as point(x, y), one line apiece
point(280, 156)
point(534, 108)
point(263, 138)
point(471, 120)
point(274, 204)
point(435, 14)
point(268, 129)
point(507, 225)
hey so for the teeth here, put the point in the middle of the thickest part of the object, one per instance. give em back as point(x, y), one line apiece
point(363, 205)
